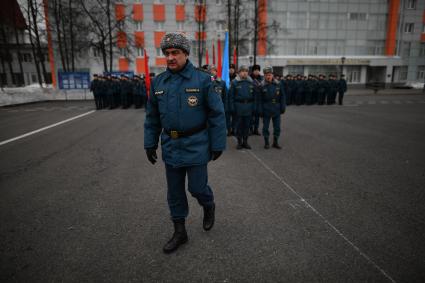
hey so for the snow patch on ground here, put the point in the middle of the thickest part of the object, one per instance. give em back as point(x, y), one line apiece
point(34, 93)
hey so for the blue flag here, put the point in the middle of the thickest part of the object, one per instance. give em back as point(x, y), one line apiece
point(225, 69)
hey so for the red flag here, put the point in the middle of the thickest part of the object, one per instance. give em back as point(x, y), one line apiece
point(147, 77)
point(234, 56)
point(213, 54)
point(207, 59)
point(219, 59)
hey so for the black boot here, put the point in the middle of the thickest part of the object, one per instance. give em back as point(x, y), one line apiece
point(245, 143)
point(276, 144)
point(229, 132)
point(240, 146)
point(179, 237)
point(209, 217)
point(266, 143)
point(256, 132)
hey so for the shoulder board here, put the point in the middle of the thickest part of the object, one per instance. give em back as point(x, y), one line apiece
point(202, 70)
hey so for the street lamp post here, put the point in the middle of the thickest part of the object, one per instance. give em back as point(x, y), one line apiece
point(342, 65)
point(250, 59)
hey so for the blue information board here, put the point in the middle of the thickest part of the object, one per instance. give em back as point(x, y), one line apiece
point(74, 80)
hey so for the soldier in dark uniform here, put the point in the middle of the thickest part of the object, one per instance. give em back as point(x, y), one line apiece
point(289, 89)
point(139, 92)
point(233, 117)
point(314, 86)
point(109, 91)
point(95, 87)
point(309, 90)
point(257, 79)
point(299, 96)
point(322, 89)
point(184, 109)
point(221, 88)
point(242, 100)
point(125, 91)
point(342, 88)
point(333, 89)
point(272, 103)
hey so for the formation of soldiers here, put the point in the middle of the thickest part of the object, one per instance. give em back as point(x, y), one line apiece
point(311, 90)
point(253, 97)
point(111, 92)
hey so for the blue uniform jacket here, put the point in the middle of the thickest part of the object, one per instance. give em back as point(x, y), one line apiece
point(243, 97)
point(272, 99)
point(183, 101)
point(221, 89)
point(139, 88)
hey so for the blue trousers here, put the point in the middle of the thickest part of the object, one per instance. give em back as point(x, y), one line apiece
point(244, 122)
point(229, 121)
point(255, 122)
point(197, 177)
point(276, 126)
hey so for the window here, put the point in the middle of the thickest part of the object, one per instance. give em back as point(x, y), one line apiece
point(411, 4)
point(140, 52)
point(180, 26)
point(96, 51)
point(123, 52)
point(405, 52)
point(353, 74)
point(422, 50)
point(218, 2)
point(180, 1)
point(402, 74)
point(408, 27)
point(26, 57)
point(357, 16)
point(421, 73)
point(138, 25)
point(219, 25)
point(159, 52)
point(295, 70)
point(159, 25)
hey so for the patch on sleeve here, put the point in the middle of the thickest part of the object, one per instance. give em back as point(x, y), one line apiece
point(218, 89)
point(159, 92)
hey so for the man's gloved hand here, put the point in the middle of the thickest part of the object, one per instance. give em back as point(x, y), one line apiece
point(282, 111)
point(216, 154)
point(151, 154)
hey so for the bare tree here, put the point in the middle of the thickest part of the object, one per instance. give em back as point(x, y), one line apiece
point(201, 12)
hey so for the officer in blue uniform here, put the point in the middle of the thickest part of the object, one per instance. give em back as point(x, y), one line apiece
point(186, 111)
point(243, 101)
point(257, 79)
point(272, 103)
point(221, 88)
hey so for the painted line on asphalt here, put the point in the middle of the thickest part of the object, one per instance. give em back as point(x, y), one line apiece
point(338, 232)
point(45, 128)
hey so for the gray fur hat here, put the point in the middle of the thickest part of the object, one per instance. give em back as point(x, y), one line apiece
point(267, 69)
point(243, 68)
point(175, 40)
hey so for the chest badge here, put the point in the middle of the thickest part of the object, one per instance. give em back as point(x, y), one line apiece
point(192, 101)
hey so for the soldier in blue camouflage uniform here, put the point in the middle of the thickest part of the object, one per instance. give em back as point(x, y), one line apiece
point(257, 79)
point(187, 113)
point(272, 103)
point(243, 101)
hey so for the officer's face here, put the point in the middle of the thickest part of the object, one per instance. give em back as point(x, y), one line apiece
point(243, 74)
point(268, 77)
point(256, 72)
point(213, 72)
point(176, 59)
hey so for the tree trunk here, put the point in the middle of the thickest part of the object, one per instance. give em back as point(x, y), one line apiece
point(33, 48)
point(59, 32)
point(229, 25)
point(71, 34)
point(7, 53)
point(34, 12)
point(108, 14)
point(255, 30)
point(18, 45)
point(237, 10)
point(61, 15)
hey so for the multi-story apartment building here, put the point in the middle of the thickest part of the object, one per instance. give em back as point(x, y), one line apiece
point(367, 40)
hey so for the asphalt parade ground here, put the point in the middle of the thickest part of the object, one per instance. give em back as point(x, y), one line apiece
point(343, 201)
